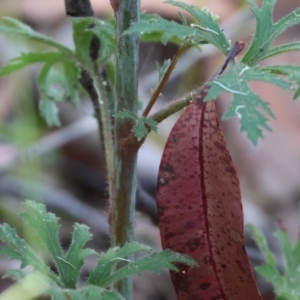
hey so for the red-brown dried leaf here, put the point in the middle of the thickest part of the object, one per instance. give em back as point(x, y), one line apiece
point(200, 209)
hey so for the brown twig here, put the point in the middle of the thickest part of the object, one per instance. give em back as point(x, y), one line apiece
point(164, 80)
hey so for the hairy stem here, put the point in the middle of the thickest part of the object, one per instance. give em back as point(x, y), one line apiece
point(92, 83)
point(123, 200)
point(106, 132)
point(174, 106)
point(164, 80)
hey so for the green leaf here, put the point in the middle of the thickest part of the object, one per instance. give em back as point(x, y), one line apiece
point(49, 111)
point(105, 274)
point(91, 292)
point(251, 110)
point(26, 59)
point(107, 261)
point(205, 30)
point(82, 39)
point(286, 283)
point(57, 83)
point(291, 73)
point(207, 25)
point(182, 19)
point(157, 29)
point(76, 254)
point(140, 128)
point(83, 31)
point(270, 273)
point(11, 26)
point(261, 242)
point(267, 31)
point(70, 82)
point(280, 49)
point(105, 31)
point(152, 263)
point(18, 249)
point(292, 259)
point(46, 226)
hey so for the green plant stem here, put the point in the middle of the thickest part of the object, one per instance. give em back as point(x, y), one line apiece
point(106, 132)
point(164, 80)
point(174, 106)
point(92, 83)
point(123, 198)
point(131, 142)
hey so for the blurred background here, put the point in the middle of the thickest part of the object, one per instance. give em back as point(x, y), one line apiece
point(64, 167)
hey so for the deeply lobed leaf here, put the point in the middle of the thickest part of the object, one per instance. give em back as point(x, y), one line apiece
point(205, 30)
point(154, 263)
point(251, 110)
point(291, 73)
point(57, 83)
point(58, 80)
point(105, 273)
point(105, 31)
point(18, 249)
point(76, 253)
point(82, 39)
point(83, 31)
point(13, 26)
point(286, 282)
point(267, 31)
point(101, 275)
point(46, 227)
point(208, 27)
point(25, 59)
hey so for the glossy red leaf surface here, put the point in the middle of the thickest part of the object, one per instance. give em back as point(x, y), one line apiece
point(200, 209)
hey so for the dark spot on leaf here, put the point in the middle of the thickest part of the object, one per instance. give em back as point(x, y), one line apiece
point(160, 211)
point(206, 260)
point(204, 285)
point(241, 266)
point(218, 297)
point(190, 225)
point(174, 140)
point(193, 244)
point(169, 235)
point(166, 174)
point(230, 170)
point(219, 145)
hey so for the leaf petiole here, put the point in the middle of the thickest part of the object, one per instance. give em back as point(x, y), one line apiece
point(163, 81)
